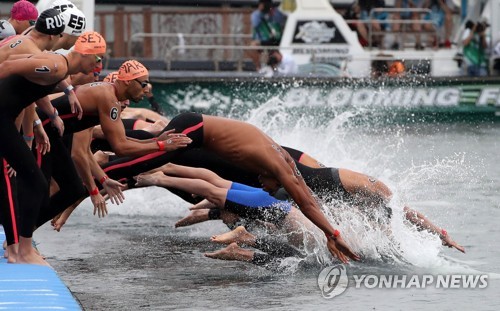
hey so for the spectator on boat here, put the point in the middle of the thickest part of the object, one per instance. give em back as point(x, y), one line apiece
point(280, 64)
point(352, 16)
point(408, 13)
point(22, 16)
point(441, 15)
point(375, 19)
point(475, 62)
point(268, 23)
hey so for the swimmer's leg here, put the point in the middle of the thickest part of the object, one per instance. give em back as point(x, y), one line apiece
point(194, 217)
point(212, 193)
point(234, 252)
point(363, 187)
point(367, 192)
point(273, 245)
point(196, 172)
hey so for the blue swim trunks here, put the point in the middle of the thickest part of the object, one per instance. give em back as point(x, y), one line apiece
point(255, 203)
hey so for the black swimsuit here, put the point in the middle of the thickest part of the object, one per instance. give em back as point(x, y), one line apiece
point(16, 93)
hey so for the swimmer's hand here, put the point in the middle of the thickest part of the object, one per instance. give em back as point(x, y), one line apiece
point(58, 123)
point(99, 205)
point(42, 142)
point(447, 241)
point(173, 141)
point(10, 171)
point(75, 104)
point(59, 221)
point(113, 190)
point(339, 249)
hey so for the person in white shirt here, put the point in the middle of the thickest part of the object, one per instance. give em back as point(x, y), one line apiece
point(280, 64)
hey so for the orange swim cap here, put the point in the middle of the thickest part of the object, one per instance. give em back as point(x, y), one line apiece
point(111, 77)
point(131, 70)
point(90, 42)
point(396, 68)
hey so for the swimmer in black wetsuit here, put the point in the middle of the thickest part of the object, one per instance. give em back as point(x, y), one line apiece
point(248, 147)
point(369, 194)
point(36, 76)
point(101, 102)
point(40, 38)
point(329, 184)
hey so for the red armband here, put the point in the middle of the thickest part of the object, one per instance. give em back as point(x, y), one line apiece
point(444, 233)
point(335, 235)
point(103, 179)
point(29, 137)
point(94, 191)
point(161, 145)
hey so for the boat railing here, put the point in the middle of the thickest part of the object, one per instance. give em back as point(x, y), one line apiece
point(181, 38)
point(392, 21)
point(218, 61)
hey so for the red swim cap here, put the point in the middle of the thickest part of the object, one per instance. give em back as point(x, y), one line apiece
point(24, 11)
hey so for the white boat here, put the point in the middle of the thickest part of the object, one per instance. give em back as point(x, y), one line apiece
point(317, 35)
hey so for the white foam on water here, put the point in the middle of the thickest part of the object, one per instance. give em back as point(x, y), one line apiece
point(383, 152)
point(379, 152)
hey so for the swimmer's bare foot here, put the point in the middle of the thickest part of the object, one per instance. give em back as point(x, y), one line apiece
point(232, 252)
point(27, 254)
point(194, 217)
point(11, 253)
point(239, 235)
point(144, 180)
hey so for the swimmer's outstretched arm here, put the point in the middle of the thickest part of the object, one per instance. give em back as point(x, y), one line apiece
point(423, 223)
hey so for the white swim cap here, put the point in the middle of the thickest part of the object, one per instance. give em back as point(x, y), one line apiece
point(75, 21)
point(62, 5)
point(6, 29)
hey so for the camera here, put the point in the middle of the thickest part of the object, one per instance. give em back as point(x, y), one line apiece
point(469, 24)
point(267, 8)
point(481, 27)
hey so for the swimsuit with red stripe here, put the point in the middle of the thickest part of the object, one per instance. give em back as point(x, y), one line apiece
point(57, 163)
point(188, 123)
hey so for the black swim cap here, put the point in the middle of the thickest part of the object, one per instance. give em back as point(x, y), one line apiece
point(50, 22)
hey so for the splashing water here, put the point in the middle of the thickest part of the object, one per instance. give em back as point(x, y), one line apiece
point(409, 158)
point(377, 151)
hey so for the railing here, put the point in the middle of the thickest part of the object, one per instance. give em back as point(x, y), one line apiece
point(119, 24)
point(342, 59)
point(227, 39)
point(405, 22)
point(170, 53)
